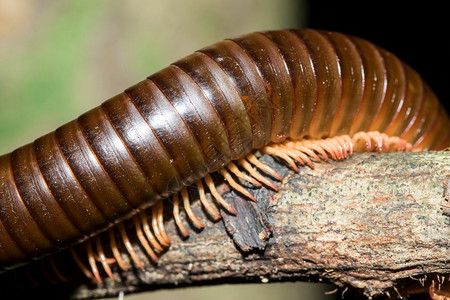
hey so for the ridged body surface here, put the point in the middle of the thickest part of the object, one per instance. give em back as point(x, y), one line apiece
point(194, 117)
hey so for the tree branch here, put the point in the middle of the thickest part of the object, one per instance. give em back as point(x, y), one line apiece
point(377, 222)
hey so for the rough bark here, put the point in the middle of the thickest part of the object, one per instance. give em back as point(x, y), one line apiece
point(378, 223)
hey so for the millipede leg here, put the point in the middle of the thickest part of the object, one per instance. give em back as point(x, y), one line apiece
point(398, 144)
point(289, 152)
point(339, 147)
point(346, 143)
point(338, 150)
point(148, 232)
point(327, 146)
point(385, 142)
point(281, 154)
point(236, 185)
point(115, 250)
point(80, 264)
point(359, 138)
point(310, 153)
point(160, 216)
point(246, 165)
point(142, 239)
point(254, 160)
point(380, 142)
point(302, 151)
point(313, 147)
point(304, 158)
point(176, 215)
point(93, 262)
point(208, 205)
point(155, 227)
point(212, 188)
point(102, 257)
point(297, 156)
point(187, 208)
point(376, 136)
point(235, 170)
point(298, 146)
point(129, 246)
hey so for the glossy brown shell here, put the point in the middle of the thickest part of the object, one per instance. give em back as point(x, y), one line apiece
point(194, 117)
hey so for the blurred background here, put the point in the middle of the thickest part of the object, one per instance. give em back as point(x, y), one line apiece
point(60, 58)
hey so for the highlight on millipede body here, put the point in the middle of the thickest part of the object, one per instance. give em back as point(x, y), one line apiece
point(303, 96)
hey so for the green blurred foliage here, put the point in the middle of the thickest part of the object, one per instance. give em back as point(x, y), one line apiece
point(61, 58)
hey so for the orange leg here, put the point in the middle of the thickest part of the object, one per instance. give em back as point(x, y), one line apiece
point(177, 217)
point(148, 232)
point(246, 165)
point(129, 246)
point(187, 208)
point(115, 250)
point(103, 259)
point(339, 147)
point(236, 185)
point(162, 230)
point(379, 142)
point(212, 188)
point(80, 264)
point(93, 262)
point(235, 170)
point(142, 239)
point(276, 151)
point(208, 205)
point(155, 227)
point(254, 160)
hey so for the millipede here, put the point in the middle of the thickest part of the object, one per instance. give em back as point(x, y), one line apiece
point(303, 96)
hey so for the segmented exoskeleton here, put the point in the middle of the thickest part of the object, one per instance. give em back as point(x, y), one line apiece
point(302, 95)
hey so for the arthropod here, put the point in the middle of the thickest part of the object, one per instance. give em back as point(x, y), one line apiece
point(301, 95)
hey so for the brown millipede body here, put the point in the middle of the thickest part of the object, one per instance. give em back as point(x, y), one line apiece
point(436, 296)
point(301, 95)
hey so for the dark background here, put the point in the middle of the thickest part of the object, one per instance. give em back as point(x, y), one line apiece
point(417, 32)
